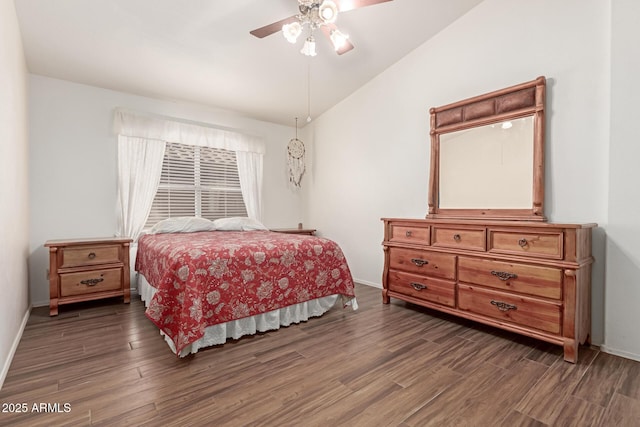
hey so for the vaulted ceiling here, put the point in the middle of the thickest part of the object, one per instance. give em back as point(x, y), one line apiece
point(201, 50)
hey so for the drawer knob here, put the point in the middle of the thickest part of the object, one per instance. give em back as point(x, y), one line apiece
point(419, 262)
point(523, 242)
point(418, 286)
point(408, 233)
point(91, 255)
point(92, 282)
point(503, 306)
point(456, 237)
point(503, 275)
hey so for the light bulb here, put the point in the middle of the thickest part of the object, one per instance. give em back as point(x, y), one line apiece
point(291, 31)
point(338, 39)
point(328, 11)
point(309, 47)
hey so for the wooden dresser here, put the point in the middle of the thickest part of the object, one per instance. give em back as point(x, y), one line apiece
point(532, 278)
point(87, 269)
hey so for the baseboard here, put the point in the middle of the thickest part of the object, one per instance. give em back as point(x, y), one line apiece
point(40, 304)
point(366, 282)
point(14, 347)
point(621, 353)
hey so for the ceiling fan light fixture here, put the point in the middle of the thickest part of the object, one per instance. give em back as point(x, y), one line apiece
point(292, 31)
point(328, 12)
point(338, 39)
point(314, 15)
point(309, 48)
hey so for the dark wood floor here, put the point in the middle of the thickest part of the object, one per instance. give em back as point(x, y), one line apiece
point(383, 365)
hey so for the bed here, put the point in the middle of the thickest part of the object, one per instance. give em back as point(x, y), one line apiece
point(201, 288)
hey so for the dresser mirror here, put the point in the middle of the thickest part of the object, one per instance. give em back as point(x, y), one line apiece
point(487, 156)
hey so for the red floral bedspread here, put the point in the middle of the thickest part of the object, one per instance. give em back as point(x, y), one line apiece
point(213, 277)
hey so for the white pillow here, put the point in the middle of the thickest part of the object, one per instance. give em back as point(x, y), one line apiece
point(238, 223)
point(183, 224)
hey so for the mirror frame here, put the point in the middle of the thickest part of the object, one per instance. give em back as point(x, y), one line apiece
point(523, 100)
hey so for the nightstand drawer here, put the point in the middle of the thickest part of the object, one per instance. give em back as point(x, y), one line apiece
point(89, 255)
point(87, 282)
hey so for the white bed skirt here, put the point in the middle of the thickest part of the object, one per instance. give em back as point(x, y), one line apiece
point(218, 334)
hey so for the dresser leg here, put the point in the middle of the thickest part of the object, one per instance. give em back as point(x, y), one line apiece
point(127, 295)
point(570, 350)
point(53, 307)
point(385, 297)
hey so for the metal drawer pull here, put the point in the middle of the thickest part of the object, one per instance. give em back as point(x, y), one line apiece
point(408, 233)
point(503, 275)
point(418, 286)
point(503, 306)
point(419, 262)
point(523, 242)
point(456, 237)
point(91, 255)
point(91, 282)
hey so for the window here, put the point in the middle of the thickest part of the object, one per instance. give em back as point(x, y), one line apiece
point(197, 181)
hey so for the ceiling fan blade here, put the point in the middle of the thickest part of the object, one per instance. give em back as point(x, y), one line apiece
point(346, 47)
point(346, 5)
point(267, 30)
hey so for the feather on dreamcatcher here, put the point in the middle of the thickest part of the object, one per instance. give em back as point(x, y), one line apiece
point(295, 159)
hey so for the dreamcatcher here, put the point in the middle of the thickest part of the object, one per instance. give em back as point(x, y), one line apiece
point(295, 159)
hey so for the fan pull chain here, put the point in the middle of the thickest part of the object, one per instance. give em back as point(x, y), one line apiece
point(309, 91)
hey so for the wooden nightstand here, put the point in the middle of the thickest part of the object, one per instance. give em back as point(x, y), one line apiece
point(87, 269)
point(306, 231)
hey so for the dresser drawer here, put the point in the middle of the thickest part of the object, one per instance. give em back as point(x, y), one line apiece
point(90, 282)
point(520, 310)
point(424, 288)
point(539, 244)
point(89, 255)
point(425, 263)
point(409, 234)
point(473, 239)
point(523, 278)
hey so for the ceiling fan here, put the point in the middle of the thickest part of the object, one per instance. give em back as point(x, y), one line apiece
point(316, 14)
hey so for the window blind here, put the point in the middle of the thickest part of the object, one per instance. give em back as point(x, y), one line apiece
point(197, 181)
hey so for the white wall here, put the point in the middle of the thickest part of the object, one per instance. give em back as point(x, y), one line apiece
point(623, 230)
point(371, 151)
point(14, 209)
point(73, 164)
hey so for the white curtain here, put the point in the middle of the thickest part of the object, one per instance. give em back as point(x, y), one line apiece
point(139, 169)
point(250, 174)
point(144, 174)
point(149, 127)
